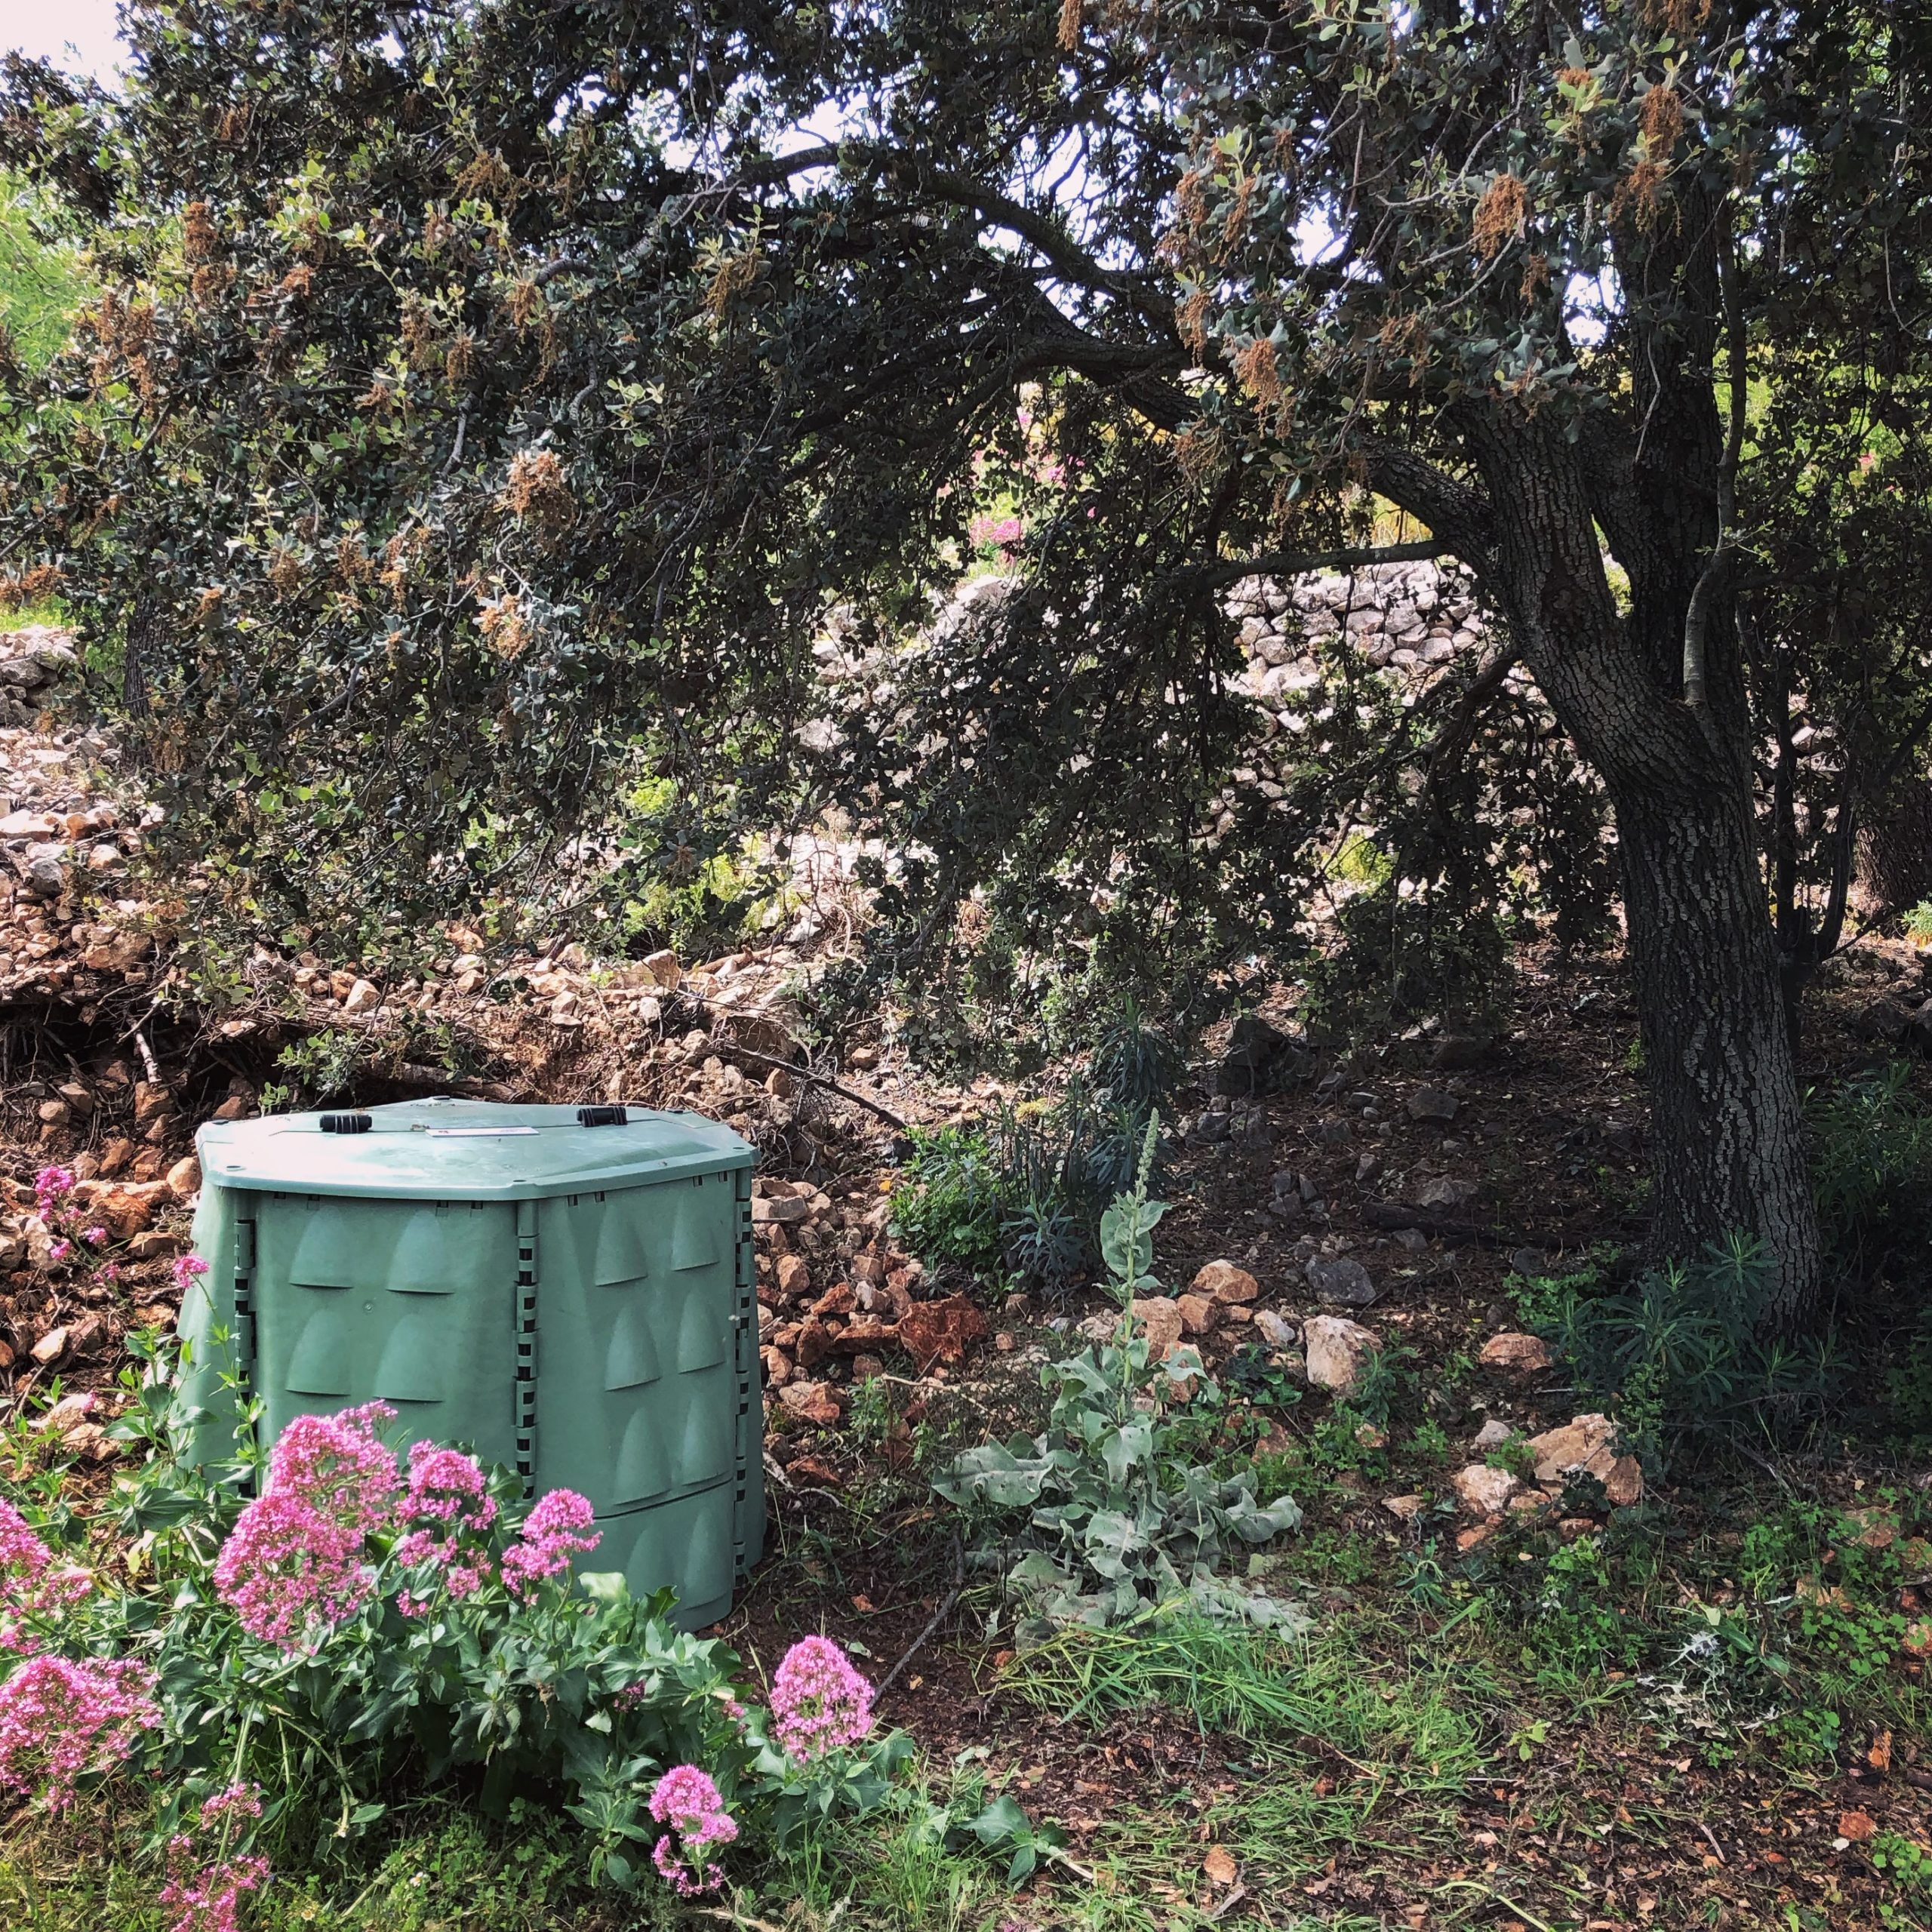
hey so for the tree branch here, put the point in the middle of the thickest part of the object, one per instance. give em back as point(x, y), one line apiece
point(1697, 612)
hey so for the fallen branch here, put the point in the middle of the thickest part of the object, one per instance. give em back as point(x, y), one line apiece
point(799, 1072)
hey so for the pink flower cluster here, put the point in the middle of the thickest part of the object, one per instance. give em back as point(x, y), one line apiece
point(207, 1876)
point(552, 1534)
point(53, 1190)
point(186, 1267)
point(31, 1587)
point(63, 1719)
point(448, 1507)
point(998, 533)
point(687, 1799)
point(819, 1702)
point(296, 1557)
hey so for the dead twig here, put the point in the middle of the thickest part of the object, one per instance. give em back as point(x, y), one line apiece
point(799, 1072)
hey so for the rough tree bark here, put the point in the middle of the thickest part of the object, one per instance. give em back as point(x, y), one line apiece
point(1727, 1127)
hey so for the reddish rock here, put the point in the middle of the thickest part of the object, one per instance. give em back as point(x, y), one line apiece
point(1198, 1315)
point(124, 1208)
point(1514, 1351)
point(812, 1472)
point(811, 1401)
point(1623, 1483)
point(184, 1178)
point(932, 1331)
point(1160, 1316)
point(793, 1276)
point(837, 1299)
point(1222, 1281)
point(865, 1333)
point(816, 1338)
point(777, 1367)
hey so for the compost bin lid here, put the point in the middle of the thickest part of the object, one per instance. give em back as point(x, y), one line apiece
point(464, 1150)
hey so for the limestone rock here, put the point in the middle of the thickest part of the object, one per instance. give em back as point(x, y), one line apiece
point(1275, 1329)
point(1223, 1281)
point(1516, 1350)
point(1485, 1491)
point(1446, 1193)
point(1433, 1104)
point(1338, 1350)
point(1160, 1316)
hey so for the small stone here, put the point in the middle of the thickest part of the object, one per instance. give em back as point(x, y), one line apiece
point(1098, 1328)
point(152, 1102)
point(1223, 1281)
point(1160, 1316)
point(1368, 1436)
point(1581, 1443)
point(1005, 1342)
point(1515, 1350)
point(663, 967)
point(1198, 1315)
point(777, 1367)
point(1433, 1104)
point(1493, 1435)
point(1337, 1351)
point(1277, 1331)
point(779, 1084)
point(867, 1368)
point(1446, 1193)
point(941, 1331)
point(153, 1245)
point(1623, 1482)
point(1406, 1508)
point(1485, 1491)
point(1342, 1282)
point(184, 1178)
point(50, 1347)
point(793, 1275)
point(811, 1401)
point(362, 997)
point(55, 1113)
point(1367, 1167)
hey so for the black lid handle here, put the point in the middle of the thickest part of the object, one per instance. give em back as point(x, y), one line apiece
point(346, 1123)
point(602, 1117)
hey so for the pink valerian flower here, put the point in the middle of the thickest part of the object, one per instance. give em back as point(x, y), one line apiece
point(51, 1186)
point(999, 532)
point(552, 1533)
point(206, 1881)
point(186, 1267)
point(296, 1556)
point(448, 1507)
point(63, 1719)
point(819, 1702)
point(687, 1799)
point(31, 1585)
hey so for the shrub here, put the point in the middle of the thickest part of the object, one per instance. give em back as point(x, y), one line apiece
point(356, 1631)
point(1871, 1170)
point(1102, 1515)
point(1681, 1353)
point(1026, 1190)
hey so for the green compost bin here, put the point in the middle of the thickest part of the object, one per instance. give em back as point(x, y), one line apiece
point(569, 1290)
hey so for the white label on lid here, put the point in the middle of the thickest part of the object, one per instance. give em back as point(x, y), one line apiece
point(474, 1133)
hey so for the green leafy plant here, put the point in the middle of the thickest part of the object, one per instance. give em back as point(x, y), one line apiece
point(1092, 1520)
point(351, 1636)
point(1872, 1172)
point(1682, 1354)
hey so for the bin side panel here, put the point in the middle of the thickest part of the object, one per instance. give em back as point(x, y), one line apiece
point(409, 1301)
point(637, 1390)
point(687, 1543)
point(206, 1327)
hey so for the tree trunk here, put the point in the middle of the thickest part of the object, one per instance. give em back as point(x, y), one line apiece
point(1727, 1137)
